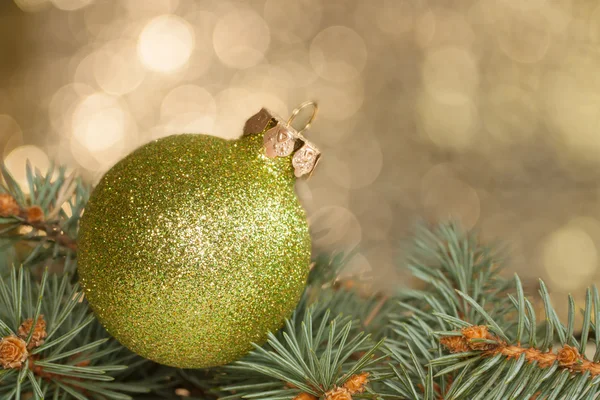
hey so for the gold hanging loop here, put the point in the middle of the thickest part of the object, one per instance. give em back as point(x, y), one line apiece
point(297, 110)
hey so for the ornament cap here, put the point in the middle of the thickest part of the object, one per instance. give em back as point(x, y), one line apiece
point(281, 139)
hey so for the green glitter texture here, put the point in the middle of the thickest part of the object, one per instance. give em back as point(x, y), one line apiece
point(192, 247)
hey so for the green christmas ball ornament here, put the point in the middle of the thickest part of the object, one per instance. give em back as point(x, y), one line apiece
point(193, 247)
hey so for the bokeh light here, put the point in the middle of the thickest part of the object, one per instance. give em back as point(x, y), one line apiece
point(70, 5)
point(570, 257)
point(292, 21)
point(444, 195)
point(149, 8)
point(241, 38)
point(394, 17)
point(166, 43)
point(448, 124)
point(11, 131)
point(17, 160)
point(100, 124)
point(524, 36)
point(338, 54)
point(32, 5)
point(117, 68)
point(188, 108)
point(450, 74)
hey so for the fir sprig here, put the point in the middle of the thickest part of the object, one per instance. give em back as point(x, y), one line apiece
point(465, 336)
point(533, 367)
point(76, 359)
point(315, 353)
point(46, 215)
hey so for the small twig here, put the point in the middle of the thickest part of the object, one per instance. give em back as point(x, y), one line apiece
point(54, 233)
point(478, 338)
point(375, 310)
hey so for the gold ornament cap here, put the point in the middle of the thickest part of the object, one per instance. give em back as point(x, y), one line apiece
point(282, 139)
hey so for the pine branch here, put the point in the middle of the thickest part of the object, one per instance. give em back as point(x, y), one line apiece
point(532, 367)
point(463, 336)
point(316, 355)
point(52, 346)
point(47, 217)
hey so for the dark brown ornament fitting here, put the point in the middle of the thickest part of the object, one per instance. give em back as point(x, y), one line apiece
point(281, 139)
point(258, 122)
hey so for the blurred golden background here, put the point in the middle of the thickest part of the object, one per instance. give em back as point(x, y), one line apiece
point(485, 110)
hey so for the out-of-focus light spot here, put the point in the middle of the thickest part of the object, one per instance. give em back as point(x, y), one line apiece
point(117, 68)
point(444, 196)
point(263, 78)
point(332, 132)
point(70, 5)
point(188, 99)
point(360, 164)
point(395, 17)
point(442, 26)
point(590, 225)
point(63, 104)
point(523, 36)
point(241, 39)
point(84, 68)
point(10, 133)
point(17, 159)
point(594, 25)
point(166, 43)
point(99, 127)
point(335, 226)
point(448, 125)
point(375, 214)
point(510, 113)
point(204, 54)
point(293, 21)
point(483, 12)
point(189, 109)
point(32, 5)
point(572, 101)
point(425, 25)
point(522, 5)
point(500, 224)
point(570, 258)
point(558, 16)
point(328, 195)
point(4, 99)
point(338, 54)
point(338, 101)
point(450, 74)
point(149, 8)
point(99, 122)
point(293, 62)
point(236, 105)
point(105, 23)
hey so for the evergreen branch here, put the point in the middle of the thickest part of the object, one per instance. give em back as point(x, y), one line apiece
point(494, 353)
point(40, 217)
point(534, 370)
point(315, 355)
point(60, 349)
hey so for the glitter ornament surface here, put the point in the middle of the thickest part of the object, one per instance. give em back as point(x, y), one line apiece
point(193, 247)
